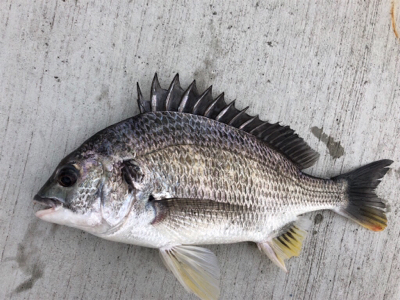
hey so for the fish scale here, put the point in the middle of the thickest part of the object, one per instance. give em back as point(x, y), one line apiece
point(192, 170)
point(171, 168)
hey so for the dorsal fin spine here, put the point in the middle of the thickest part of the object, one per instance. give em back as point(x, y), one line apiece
point(185, 96)
point(203, 98)
point(258, 128)
point(209, 109)
point(155, 87)
point(223, 112)
point(281, 138)
point(140, 99)
point(248, 122)
point(241, 113)
point(174, 84)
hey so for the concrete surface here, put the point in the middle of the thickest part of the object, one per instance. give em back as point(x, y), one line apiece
point(329, 69)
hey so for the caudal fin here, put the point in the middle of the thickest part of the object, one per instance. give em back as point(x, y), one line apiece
point(364, 206)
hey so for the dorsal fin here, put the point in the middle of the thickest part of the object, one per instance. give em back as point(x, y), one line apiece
point(215, 107)
point(158, 95)
point(144, 105)
point(200, 105)
point(174, 95)
point(281, 138)
point(189, 98)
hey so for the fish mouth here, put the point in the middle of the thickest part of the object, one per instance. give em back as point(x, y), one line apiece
point(51, 205)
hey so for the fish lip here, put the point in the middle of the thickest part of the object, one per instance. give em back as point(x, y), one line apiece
point(49, 202)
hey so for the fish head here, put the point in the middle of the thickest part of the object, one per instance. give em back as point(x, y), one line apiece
point(73, 195)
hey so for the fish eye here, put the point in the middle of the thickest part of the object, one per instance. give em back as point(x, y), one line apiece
point(67, 177)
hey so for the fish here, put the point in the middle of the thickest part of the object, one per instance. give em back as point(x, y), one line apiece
point(192, 170)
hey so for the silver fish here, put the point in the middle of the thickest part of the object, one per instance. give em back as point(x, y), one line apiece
point(192, 170)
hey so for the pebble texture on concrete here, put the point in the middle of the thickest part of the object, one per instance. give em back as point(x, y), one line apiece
point(329, 69)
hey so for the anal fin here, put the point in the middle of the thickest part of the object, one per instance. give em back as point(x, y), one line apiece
point(285, 245)
point(196, 269)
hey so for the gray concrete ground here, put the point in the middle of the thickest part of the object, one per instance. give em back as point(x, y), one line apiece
point(329, 69)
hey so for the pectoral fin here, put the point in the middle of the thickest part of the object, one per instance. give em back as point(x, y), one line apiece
point(196, 269)
point(285, 245)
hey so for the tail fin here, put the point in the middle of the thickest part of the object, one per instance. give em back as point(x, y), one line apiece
point(364, 206)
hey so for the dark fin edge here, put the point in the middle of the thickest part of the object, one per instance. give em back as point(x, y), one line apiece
point(280, 138)
point(364, 206)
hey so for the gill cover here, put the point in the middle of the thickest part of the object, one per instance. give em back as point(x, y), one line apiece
point(118, 193)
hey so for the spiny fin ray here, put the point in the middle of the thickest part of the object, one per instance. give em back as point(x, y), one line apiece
point(200, 107)
point(189, 98)
point(174, 95)
point(158, 95)
point(144, 105)
point(215, 107)
point(278, 137)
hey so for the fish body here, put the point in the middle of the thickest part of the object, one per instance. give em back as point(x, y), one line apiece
point(235, 187)
point(192, 170)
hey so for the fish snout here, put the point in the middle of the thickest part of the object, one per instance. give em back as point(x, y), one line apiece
point(52, 202)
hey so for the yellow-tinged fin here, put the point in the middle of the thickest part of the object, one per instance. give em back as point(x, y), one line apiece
point(364, 206)
point(196, 269)
point(285, 245)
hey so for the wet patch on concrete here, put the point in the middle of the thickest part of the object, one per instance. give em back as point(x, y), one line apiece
point(206, 71)
point(104, 94)
point(335, 148)
point(27, 259)
point(36, 273)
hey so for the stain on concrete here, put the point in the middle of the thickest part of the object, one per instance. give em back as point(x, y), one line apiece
point(28, 260)
point(37, 273)
point(335, 148)
point(318, 219)
point(21, 257)
point(214, 52)
point(103, 94)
